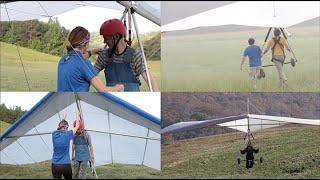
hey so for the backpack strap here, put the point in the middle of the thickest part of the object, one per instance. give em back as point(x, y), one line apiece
point(86, 136)
point(277, 41)
point(128, 55)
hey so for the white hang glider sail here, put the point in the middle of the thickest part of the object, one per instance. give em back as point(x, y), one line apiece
point(245, 123)
point(249, 13)
point(120, 132)
point(27, 10)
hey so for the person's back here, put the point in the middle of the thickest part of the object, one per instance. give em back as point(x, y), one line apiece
point(61, 143)
point(81, 143)
point(254, 53)
point(74, 73)
point(277, 45)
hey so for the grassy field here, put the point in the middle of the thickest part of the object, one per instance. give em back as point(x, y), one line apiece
point(288, 153)
point(43, 171)
point(41, 70)
point(211, 62)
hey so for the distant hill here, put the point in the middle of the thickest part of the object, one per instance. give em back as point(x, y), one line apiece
point(235, 28)
point(177, 107)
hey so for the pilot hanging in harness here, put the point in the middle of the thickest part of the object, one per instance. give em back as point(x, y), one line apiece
point(277, 44)
point(82, 152)
point(121, 63)
point(249, 150)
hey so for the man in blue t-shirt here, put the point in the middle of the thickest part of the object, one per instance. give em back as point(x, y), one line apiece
point(254, 53)
point(61, 164)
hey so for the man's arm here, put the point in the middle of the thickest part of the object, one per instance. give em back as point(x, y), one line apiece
point(140, 68)
point(91, 149)
point(100, 62)
point(153, 82)
point(72, 151)
point(243, 151)
point(242, 61)
point(267, 48)
point(75, 129)
point(285, 42)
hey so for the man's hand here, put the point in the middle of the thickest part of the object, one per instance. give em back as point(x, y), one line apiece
point(95, 51)
point(117, 88)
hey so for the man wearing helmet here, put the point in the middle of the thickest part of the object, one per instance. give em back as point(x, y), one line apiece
point(120, 62)
point(82, 151)
point(277, 44)
point(61, 164)
point(249, 150)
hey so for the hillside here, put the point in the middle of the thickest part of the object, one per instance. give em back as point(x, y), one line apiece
point(288, 153)
point(238, 28)
point(177, 107)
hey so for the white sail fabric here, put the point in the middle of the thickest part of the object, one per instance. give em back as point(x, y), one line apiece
point(27, 10)
point(120, 133)
point(241, 123)
point(251, 13)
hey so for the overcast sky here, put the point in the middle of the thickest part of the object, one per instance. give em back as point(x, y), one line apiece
point(147, 101)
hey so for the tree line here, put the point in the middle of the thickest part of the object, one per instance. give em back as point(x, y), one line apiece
point(44, 37)
point(51, 37)
point(10, 115)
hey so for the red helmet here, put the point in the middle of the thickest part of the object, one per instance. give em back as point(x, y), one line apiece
point(111, 27)
point(81, 124)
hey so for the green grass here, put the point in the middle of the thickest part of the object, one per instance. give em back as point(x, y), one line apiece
point(211, 62)
point(41, 70)
point(43, 171)
point(3, 126)
point(288, 153)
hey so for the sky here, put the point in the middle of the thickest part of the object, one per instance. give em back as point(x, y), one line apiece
point(147, 101)
point(80, 17)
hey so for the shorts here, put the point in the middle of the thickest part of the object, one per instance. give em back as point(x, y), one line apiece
point(254, 71)
point(59, 170)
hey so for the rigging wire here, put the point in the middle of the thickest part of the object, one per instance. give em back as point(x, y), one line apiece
point(145, 147)
point(19, 53)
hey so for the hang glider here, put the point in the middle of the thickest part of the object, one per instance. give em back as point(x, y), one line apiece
point(260, 13)
point(121, 133)
point(245, 123)
point(28, 10)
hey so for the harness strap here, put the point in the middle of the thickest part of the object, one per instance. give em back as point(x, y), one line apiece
point(277, 41)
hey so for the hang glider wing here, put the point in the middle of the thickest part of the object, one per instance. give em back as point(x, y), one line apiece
point(261, 14)
point(28, 10)
point(190, 125)
point(149, 10)
point(240, 123)
point(120, 132)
